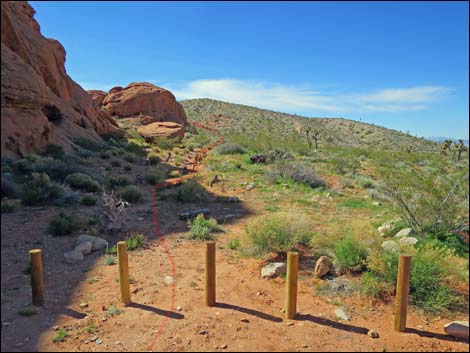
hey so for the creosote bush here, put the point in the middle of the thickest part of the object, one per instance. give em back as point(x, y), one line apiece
point(295, 171)
point(279, 232)
point(192, 191)
point(350, 254)
point(63, 224)
point(156, 174)
point(82, 182)
point(131, 194)
point(39, 189)
point(202, 228)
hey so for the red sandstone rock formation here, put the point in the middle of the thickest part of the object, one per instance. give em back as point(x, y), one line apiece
point(164, 129)
point(97, 96)
point(40, 103)
point(140, 99)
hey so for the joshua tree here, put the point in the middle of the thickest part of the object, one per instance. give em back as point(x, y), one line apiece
point(460, 148)
point(445, 146)
point(312, 136)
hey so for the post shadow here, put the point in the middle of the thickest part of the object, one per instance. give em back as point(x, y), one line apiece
point(170, 314)
point(439, 336)
point(331, 323)
point(247, 311)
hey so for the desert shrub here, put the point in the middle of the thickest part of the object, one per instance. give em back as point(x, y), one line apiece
point(127, 167)
point(8, 187)
point(82, 182)
point(371, 285)
point(363, 181)
point(88, 200)
point(278, 232)
point(450, 241)
point(27, 311)
point(118, 181)
point(175, 174)
point(234, 244)
point(8, 207)
point(54, 151)
point(60, 335)
point(431, 199)
point(24, 165)
point(350, 254)
point(202, 228)
point(153, 159)
point(295, 171)
point(156, 174)
point(63, 224)
point(192, 191)
point(115, 162)
point(88, 144)
point(105, 154)
point(67, 198)
point(39, 189)
point(230, 148)
point(56, 169)
point(131, 194)
point(129, 157)
point(135, 241)
point(432, 280)
point(109, 260)
point(344, 164)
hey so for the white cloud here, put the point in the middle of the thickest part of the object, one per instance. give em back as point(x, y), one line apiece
point(303, 99)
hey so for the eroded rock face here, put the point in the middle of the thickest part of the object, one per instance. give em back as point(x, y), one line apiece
point(40, 103)
point(161, 130)
point(97, 96)
point(141, 99)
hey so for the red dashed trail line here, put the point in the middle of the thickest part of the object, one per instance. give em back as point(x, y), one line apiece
point(165, 184)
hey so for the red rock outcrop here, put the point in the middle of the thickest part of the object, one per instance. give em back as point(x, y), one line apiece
point(140, 99)
point(40, 103)
point(163, 129)
point(97, 96)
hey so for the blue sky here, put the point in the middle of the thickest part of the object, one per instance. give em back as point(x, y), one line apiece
point(400, 65)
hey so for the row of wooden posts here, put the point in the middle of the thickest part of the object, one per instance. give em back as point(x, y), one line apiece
point(401, 304)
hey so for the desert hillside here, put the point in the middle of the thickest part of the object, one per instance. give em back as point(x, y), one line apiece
point(240, 119)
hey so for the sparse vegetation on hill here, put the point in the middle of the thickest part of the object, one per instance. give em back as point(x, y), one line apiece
point(262, 129)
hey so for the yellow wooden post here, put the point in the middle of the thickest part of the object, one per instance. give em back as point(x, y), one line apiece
point(35, 259)
point(210, 273)
point(403, 286)
point(291, 284)
point(124, 272)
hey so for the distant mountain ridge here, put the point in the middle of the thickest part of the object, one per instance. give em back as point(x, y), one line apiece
point(230, 118)
point(440, 139)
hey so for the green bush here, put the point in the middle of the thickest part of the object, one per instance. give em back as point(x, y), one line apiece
point(135, 241)
point(119, 181)
point(82, 182)
point(202, 228)
point(109, 260)
point(153, 159)
point(230, 148)
point(131, 194)
point(350, 254)
point(234, 244)
point(54, 151)
point(39, 189)
point(60, 335)
point(88, 200)
point(278, 232)
point(105, 154)
point(192, 191)
point(129, 157)
point(115, 162)
point(63, 224)
point(295, 171)
point(156, 174)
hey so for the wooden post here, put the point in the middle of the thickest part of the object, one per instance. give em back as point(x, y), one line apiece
point(403, 286)
point(35, 259)
point(291, 284)
point(210, 273)
point(124, 272)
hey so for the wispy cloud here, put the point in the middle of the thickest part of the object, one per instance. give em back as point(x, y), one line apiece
point(303, 99)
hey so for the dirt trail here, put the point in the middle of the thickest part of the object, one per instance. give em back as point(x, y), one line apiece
point(248, 315)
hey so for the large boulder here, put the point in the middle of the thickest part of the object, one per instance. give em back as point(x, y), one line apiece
point(96, 242)
point(273, 269)
point(322, 267)
point(40, 103)
point(140, 99)
point(457, 329)
point(161, 130)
